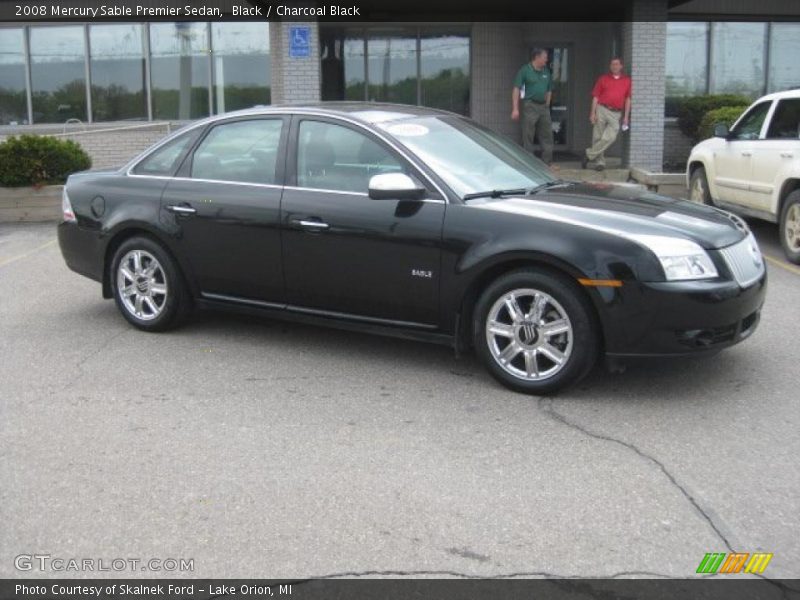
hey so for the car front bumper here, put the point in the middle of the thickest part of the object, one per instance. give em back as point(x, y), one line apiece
point(681, 318)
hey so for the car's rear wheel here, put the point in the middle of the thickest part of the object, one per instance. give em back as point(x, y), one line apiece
point(698, 187)
point(790, 227)
point(148, 287)
point(535, 332)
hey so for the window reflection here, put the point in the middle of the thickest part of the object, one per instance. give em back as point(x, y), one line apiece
point(342, 64)
point(686, 62)
point(444, 71)
point(738, 57)
point(784, 50)
point(57, 74)
point(118, 73)
point(392, 67)
point(179, 70)
point(241, 65)
point(13, 101)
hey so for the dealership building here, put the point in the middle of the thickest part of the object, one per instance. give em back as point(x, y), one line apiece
point(119, 86)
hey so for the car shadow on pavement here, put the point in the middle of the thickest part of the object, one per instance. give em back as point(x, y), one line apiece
point(644, 379)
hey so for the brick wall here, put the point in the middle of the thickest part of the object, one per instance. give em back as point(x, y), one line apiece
point(644, 37)
point(294, 80)
point(108, 144)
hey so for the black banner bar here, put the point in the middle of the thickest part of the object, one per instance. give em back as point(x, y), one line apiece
point(397, 589)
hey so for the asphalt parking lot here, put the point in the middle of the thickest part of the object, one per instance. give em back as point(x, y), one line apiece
point(260, 448)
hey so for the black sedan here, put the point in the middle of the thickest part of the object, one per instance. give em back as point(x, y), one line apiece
point(411, 222)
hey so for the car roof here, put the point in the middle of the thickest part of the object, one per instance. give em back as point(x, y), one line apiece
point(367, 112)
point(795, 93)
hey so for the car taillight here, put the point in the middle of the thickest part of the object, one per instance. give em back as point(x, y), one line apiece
point(66, 208)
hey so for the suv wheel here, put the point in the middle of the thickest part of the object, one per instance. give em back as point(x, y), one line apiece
point(698, 187)
point(148, 287)
point(534, 331)
point(790, 227)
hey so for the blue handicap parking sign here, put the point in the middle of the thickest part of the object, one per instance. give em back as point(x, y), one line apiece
point(299, 42)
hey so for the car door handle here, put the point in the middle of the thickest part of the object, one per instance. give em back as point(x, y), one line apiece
point(181, 209)
point(309, 224)
point(787, 154)
point(747, 153)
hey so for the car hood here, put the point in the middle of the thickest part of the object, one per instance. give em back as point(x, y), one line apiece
point(625, 211)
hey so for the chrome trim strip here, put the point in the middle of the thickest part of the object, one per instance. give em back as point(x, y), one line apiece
point(352, 317)
point(245, 183)
point(286, 112)
point(238, 300)
point(316, 311)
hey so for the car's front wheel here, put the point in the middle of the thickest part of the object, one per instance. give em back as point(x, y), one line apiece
point(535, 332)
point(148, 287)
point(790, 227)
point(698, 187)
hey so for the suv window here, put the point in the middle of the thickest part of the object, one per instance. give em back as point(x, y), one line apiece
point(242, 151)
point(333, 157)
point(165, 160)
point(749, 127)
point(785, 123)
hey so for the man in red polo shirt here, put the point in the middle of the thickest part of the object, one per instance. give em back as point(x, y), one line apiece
point(611, 103)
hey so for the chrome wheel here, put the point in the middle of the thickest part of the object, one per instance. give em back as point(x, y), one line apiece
point(529, 334)
point(142, 285)
point(791, 228)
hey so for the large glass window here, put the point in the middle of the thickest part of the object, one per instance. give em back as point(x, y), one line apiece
point(784, 53)
point(118, 73)
point(342, 64)
point(58, 74)
point(333, 157)
point(241, 65)
point(409, 65)
point(13, 100)
point(444, 71)
point(687, 59)
point(392, 67)
point(243, 151)
point(737, 56)
point(179, 70)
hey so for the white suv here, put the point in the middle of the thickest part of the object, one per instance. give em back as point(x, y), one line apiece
point(754, 169)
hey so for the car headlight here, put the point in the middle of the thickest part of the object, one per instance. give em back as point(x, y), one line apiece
point(680, 258)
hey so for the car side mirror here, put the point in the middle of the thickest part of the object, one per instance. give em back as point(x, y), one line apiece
point(721, 130)
point(394, 186)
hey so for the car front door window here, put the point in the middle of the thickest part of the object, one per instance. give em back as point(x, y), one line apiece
point(337, 158)
point(749, 128)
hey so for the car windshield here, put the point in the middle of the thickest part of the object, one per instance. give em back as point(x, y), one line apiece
point(469, 158)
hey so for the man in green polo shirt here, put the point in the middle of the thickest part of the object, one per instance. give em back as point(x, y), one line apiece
point(535, 82)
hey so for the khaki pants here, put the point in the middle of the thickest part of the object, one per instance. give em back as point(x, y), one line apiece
point(605, 131)
point(536, 123)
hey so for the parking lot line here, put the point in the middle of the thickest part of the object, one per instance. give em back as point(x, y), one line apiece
point(779, 263)
point(8, 261)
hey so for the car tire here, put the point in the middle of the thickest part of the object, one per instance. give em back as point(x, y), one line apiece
point(147, 285)
point(790, 227)
point(554, 322)
point(698, 187)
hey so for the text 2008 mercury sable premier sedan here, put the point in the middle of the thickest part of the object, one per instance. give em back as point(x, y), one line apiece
point(413, 222)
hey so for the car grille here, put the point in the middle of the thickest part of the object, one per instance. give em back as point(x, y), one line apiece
point(744, 260)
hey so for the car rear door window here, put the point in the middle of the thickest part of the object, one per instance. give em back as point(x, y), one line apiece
point(749, 128)
point(241, 152)
point(334, 157)
point(785, 124)
point(165, 160)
